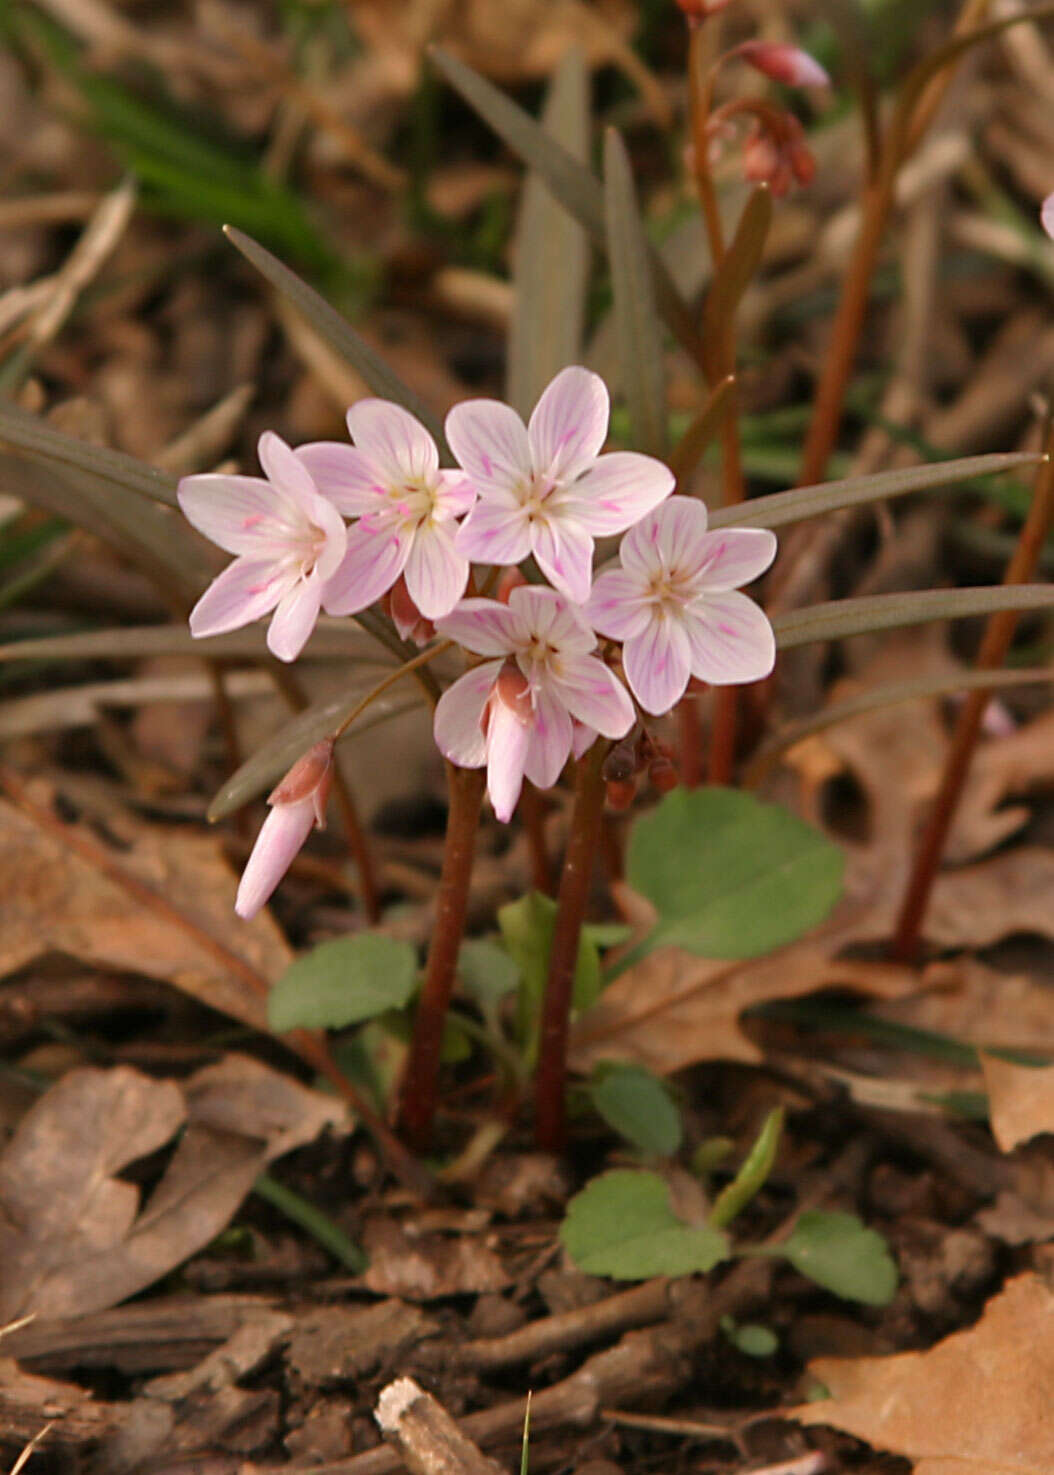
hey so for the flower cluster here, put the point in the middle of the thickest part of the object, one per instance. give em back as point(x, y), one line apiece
point(536, 495)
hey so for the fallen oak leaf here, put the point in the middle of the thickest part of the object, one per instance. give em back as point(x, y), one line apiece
point(988, 1385)
point(1020, 1100)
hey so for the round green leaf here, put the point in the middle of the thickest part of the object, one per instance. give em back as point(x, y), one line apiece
point(841, 1254)
point(622, 1225)
point(343, 982)
point(731, 877)
point(638, 1106)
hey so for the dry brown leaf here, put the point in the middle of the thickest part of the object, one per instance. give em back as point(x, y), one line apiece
point(1020, 1100)
point(977, 1403)
point(424, 1267)
point(54, 900)
point(980, 1006)
point(72, 1236)
point(1023, 1212)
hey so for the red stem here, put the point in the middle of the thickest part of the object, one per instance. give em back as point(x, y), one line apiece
point(551, 1075)
point(532, 815)
point(691, 740)
point(465, 788)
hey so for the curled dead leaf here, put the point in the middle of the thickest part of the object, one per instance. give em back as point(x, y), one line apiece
point(1020, 1100)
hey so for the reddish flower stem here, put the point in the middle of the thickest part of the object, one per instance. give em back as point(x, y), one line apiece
point(997, 637)
point(532, 814)
point(691, 740)
point(551, 1075)
point(465, 787)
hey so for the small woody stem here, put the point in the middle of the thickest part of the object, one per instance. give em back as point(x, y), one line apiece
point(997, 637)
point(551, 1075)
point(465, 787)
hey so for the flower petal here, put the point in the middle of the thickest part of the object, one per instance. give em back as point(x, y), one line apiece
point(295, 618)
point(582, 739)
point(493, 533)
point(731, 639)
point(374, 559)
point(594, 695)
point(618, 490)
point(508, 740)
point(733, 557)
point(436, 574)
point(550, 739)
point(246, 590)
point(281, 836)
point(392, 438)
point(345, 475)
point(241, 514)
point(454, 496)
point(569, 424)
point(618, 605)
point(547, 616)
point(658, 663)
point(288, 473)
point(564, 553)
point(490, 443)
point(459, 714)
point(328, 520)
point(485, 626)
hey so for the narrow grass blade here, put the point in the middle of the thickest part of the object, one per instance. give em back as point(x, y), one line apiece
point(337, 641)
point(889, 695)
point(279, 753)
point(636, 319)
point(552, 254)
point(340, 335)
point(693, 444)
point(784, 507)
point(39, 439)
point(843, 617)
point(307, 1216)
point(734, 275)
point(575, 186)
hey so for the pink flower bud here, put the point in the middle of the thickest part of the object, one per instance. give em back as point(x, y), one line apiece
point(787, 64)
point(511, 579)
point(1046, 215)
point(406, 617)
point(513, 690)
point(298, 803)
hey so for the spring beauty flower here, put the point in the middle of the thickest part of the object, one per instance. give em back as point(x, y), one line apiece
point(673, 604)
point(297, 805)
point(288, 540)
point(406, 509)
point(544, 488)
point(539, 694)
point(787, 64)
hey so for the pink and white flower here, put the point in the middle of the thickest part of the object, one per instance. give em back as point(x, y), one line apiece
point(544, 488)
point(538, 696)
point(288, 540)
point(783, 63)
point(297, 805)
point(1046, 215)
point(673, 604)
point(406, 508)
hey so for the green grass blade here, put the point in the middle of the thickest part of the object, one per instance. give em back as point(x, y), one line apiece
point(36, 437)
point(312, 1220)
point(844, 617)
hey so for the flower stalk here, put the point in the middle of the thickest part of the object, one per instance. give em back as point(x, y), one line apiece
point(573, 896)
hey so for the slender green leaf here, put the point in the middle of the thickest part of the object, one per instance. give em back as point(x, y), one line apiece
point(622, 1225)
point(575, 186)
point(344, 982)
point(750, 1179)
point(843, 617)
point(338, 333)
point(841, 1254)
point(638, 1105)
point(641, 368)
point(733, 276)
point(282, 750)
point(800, 502)
point(551, 273)
point(307, 1216)
point(693, 444)
point(36, 437)
point(335, 640)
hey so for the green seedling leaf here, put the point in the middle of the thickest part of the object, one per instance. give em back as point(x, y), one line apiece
point(854, 491)
point(733, 276)
point(710, 1154)
point(551, 273)
point(527, 932)
point(751, 1339)
point(638, 1105)
point(730, 877)
point(841, 1254)
point(280, 752)
point(641, 368)
point(344, 982)
point(338, 333)
point(622, 1225)
point(575, 186)
point(844, 617)
point(747, 1183)
point(40, 440)
point(307, 1216)
point(487, 972)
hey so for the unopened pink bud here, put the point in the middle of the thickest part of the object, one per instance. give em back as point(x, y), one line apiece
point(1046, 216)
point(698, 10)
point(787, 64)
point(298, 803)
point(513, 690)
point(511, 579)
point(407, 618)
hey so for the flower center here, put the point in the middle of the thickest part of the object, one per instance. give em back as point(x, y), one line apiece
point(415, 501)
point(534, 491)
point(670, 590)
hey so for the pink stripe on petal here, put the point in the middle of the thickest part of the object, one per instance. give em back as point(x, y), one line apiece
point(595, 696)
point(344, 475)
point(564, 553)
point(244, 592)
point(371, 565)
point(733, 557)
point(393, 439)
point(550, 739)
point(285, 470)
point(436, 574)
point(494, 534)
point(457, 725)
point(550, 617)
point(569, 424)
point(657, 664)
point(619, 605)
point(489, 441)
point(485, 626)
point(731, 639)
point(241, 514)
point(618, 491)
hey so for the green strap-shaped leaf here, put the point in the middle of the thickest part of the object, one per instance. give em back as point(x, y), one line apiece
point(854, 491)
point(39, 439)
point(338, 333)
point(734, 275)
point(704, 427)
point(636, 319)
point(575, 186)
point(335, 640)
point(842, 617)
point(552, 254)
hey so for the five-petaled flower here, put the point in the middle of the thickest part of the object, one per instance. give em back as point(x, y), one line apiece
point(390, 480)
point(516, 712)
point(544, 488)
point(288, 540)
point(297, 805)
point(673, 604)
